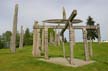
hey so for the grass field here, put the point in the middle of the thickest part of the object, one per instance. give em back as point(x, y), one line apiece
point(23, 60)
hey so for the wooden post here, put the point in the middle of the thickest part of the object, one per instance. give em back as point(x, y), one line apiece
point(85, 44)
point(55, 37)
point(21, 38)
point(36, 51)
point(14, 31)
point(58, 38)
point(64, 51)
point(43, 38)
point(73, 35)
point(99, 35)
point(71, 40)
point(46, 43)
point(39, 38)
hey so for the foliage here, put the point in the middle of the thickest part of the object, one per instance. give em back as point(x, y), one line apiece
point(1, 43)
point(5, 39)
point(50, 30)
point(17, 39)
point(28, 37)
point(65, 40)
point(91, 33)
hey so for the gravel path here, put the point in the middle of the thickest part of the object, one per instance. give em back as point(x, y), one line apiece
point(65, 62)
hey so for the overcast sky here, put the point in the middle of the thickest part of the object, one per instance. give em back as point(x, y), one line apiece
point(30, 10)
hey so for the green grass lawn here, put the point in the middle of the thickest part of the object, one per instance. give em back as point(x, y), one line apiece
point(23, 60)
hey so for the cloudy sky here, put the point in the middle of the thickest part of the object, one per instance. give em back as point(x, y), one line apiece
point(30, 10)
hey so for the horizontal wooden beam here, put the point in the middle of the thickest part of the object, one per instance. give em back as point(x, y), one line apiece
point(62, 27)
point(62, 21)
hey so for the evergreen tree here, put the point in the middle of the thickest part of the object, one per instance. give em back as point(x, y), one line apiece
point(17, 39)
point(1, 44)
point(28, 37)
point(91, 33)
point(6, 37)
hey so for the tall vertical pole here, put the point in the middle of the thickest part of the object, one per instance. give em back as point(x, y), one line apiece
point(85, 44)
point(99, 35)
point(64, 51)
point(71, 40)
point(14, 31)
point(36, 51)
point(43, 39)
point(46, 42)
point(21, 38)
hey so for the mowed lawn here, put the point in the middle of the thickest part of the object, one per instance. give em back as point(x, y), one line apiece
point(23, 60)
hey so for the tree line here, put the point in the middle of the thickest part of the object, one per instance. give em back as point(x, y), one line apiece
point(5, 38)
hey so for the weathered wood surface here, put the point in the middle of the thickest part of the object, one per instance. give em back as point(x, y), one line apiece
point(86, 50)
point(99, 34)
point(14, 30)
point(21, 38)
point(63, 46)
point(64, 13)
point(61, 27)
point(43, 41)
point(71, 43)
point(62, 21)
point(36, 51)
point(46, 42)
point(71, 18)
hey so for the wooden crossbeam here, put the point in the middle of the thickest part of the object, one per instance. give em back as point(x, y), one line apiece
point(72, 16)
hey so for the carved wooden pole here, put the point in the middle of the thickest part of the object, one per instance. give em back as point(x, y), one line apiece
point(85, 44)
point(46, 43)
point(71, 40)
point(39, 40)
point(55, 37)
point(14, 31)
point(73, 35)
point(43, 38)
point(99, 35)
point(36, 51)
point(58, 38)
point(64, 52)
point(21, 38)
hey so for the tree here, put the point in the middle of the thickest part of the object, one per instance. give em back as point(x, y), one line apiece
point(28, 37)
point(17, 39)
point(6, 37)
point(1, 44)
point(65, 40)
point(50, 31)
point(91, 33)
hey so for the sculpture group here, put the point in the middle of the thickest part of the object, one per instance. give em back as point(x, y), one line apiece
point(68, 24)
